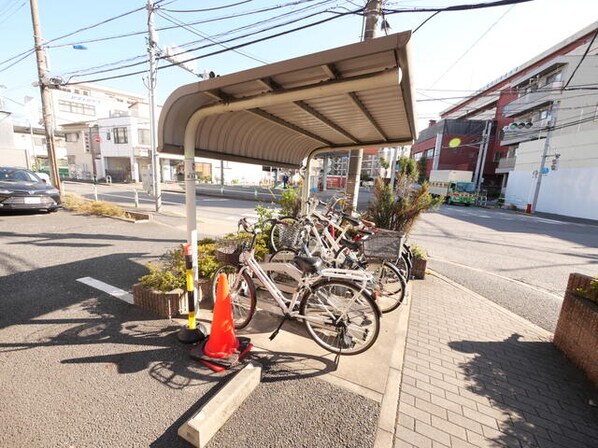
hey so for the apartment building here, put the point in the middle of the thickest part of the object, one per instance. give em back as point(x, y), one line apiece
point(544, 116)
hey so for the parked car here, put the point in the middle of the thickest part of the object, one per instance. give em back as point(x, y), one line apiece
point(21, 189)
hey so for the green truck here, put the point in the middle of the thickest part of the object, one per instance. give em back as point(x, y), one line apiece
point(456, 186)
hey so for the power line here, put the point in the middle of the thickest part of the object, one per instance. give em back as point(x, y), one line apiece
point(196, 32)
point(264, 22)
point(582, 59)
point(217, 8)
point(220, 51)
point(457, 7)
point(472, 45)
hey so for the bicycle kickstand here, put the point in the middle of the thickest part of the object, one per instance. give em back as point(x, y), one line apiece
point(285, 317)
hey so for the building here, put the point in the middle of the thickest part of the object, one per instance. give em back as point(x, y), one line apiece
point(30, 145)
point(544, 116)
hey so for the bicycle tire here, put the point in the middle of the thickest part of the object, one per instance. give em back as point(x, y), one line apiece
point(404, 264)
point(282, 256)
point(276, 233)
point(389, 285)
point(242, 294)
point(346, 333)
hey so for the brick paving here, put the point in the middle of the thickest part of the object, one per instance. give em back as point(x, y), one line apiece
point(475, 375)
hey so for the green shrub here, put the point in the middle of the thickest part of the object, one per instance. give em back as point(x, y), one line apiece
point(400, 209)
point(418, 251)
point(170, 271)
point(591, 292)
point(290, 202)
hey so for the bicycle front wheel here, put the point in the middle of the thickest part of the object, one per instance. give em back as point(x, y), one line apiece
point(242, 294)
point(389, 285)
point(341, 317)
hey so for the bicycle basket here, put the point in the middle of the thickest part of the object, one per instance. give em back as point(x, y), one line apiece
point(384, 244)
point(228, 250)
point(290, 235)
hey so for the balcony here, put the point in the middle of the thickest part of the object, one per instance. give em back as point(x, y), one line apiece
point(511, 136)
point(533, 99)
point(505, 165)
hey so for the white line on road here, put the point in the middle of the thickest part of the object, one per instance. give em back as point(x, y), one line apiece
point(108, 289)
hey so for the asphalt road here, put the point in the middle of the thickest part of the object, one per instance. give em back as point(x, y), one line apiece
point(519, 261)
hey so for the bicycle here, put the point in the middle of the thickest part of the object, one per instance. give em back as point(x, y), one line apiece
point(317, 234)
point(338, 311)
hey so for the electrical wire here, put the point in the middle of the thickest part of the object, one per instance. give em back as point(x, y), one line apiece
point(217, 8)
point(264, 22)
point(458, 7)
point(471, 47)
point(13, 12)
point(582, 59)
point(196, 32)
point(222, 42)
point(216, 52)
point(200, 22)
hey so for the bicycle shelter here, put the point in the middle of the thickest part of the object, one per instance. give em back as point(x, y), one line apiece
point(283, 114)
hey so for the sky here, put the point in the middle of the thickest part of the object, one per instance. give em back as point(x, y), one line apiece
point(453, 54)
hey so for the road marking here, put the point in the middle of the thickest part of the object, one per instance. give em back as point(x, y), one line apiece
point(214, 200)
point(108, 289)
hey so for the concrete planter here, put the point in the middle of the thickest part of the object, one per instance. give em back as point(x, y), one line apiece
point(164, 304)
point(576, 333)
point(419, 268)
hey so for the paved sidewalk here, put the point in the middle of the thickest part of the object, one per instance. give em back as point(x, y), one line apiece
point(476, 375)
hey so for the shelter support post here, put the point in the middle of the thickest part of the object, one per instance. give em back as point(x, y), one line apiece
point(193, 332)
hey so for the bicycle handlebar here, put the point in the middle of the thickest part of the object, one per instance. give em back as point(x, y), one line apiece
point(249, 228)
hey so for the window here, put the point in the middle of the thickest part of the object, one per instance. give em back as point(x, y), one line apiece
point(144, 136)
point(76, 108)
point(429, 154)
point(120, 135)
point(71, 136)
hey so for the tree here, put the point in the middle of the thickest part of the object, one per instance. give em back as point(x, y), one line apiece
point(422, 165)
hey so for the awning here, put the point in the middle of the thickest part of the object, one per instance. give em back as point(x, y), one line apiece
point(350, 97)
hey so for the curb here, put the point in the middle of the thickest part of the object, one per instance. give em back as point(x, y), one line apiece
point(200, 428)
point(389, 407)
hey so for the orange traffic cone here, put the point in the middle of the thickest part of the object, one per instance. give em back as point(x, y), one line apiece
point(222, 349)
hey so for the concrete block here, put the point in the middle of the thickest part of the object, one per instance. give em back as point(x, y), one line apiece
point(200, 428)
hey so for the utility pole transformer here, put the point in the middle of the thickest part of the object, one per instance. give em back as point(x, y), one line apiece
point(42, 69)
point(155, 157)
point(372, 13)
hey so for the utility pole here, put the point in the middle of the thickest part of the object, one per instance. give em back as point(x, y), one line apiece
point(155, 157)
point(479, 169)
point(42, 70)
point(531, 208)
point(372, 14)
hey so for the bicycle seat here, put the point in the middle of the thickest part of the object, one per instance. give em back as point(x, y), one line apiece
point(350, 219)
point(353, 245)
point(308, 265)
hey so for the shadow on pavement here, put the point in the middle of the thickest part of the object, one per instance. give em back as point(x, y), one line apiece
point(543, 398)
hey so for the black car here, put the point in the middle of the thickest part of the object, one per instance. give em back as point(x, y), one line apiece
point(21, 189)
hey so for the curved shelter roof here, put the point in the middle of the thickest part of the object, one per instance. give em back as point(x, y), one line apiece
point(350, 97)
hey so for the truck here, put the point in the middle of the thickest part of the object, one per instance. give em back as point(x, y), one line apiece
point(456, 186)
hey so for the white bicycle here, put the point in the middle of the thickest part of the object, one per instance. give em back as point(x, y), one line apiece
point(335, 305)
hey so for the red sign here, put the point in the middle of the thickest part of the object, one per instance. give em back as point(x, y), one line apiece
point(98, 139)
